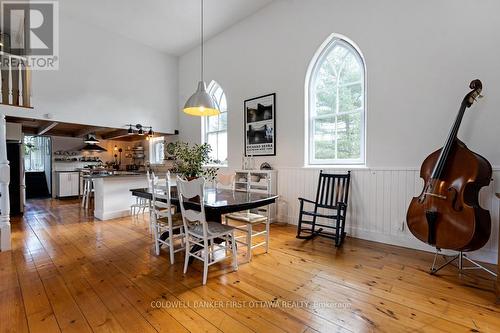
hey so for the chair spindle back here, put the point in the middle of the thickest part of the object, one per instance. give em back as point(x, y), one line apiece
point(332, 189)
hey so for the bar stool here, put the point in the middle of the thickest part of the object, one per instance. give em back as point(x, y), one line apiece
point(88, 189)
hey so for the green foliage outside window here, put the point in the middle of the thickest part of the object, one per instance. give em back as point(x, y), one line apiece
point(338, 90)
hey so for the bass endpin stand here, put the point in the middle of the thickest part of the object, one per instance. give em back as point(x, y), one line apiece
point(460, 263)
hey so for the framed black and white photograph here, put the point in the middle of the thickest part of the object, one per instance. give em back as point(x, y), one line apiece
point(260, 126)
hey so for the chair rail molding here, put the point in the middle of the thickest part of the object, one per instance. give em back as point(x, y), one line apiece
point(5, 241)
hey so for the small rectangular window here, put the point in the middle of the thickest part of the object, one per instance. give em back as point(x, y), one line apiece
point(156, 150)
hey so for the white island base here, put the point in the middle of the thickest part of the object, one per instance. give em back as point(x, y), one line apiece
point(112, 196)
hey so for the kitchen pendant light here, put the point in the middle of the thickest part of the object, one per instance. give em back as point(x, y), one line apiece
point(201, 103)
point(91, 139)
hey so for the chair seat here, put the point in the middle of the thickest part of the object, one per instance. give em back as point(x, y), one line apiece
point(176, 220)
point(247, 217)
point(214, 229)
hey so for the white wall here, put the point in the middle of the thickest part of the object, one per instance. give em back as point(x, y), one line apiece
point(420, 57)
point(105, 79)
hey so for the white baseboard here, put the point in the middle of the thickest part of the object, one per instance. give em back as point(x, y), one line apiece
point(99, 214)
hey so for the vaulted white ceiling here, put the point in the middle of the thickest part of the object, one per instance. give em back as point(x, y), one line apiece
point(172, 26)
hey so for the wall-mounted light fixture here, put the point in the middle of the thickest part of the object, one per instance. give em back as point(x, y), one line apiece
point(139, 129)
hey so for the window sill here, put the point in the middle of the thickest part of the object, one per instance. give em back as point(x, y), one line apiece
point(216, 166)
point(336, 166)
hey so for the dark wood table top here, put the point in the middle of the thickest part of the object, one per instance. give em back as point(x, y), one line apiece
point(219, 201)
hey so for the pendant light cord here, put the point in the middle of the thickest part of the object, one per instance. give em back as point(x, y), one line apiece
point(202, 69)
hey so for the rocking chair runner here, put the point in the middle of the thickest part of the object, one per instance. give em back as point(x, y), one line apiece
point(330, 204)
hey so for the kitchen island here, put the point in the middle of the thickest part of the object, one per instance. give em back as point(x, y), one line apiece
point(112, 196)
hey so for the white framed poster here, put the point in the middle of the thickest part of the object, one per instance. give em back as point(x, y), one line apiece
point(260, 125)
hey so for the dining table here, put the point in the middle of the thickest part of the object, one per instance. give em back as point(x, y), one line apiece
point(217, 202)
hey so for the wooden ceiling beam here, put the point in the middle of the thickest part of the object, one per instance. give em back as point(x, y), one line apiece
point(86, 131)
point(45, 129)
point(120, 133)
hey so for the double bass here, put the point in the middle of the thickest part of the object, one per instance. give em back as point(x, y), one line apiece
point(447, 214)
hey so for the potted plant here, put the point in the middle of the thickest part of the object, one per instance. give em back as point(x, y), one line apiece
point(191, 161)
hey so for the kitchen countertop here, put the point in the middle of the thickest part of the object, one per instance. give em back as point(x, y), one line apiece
point(118, 174)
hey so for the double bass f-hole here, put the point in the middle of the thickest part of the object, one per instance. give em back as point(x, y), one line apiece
point(454, 200)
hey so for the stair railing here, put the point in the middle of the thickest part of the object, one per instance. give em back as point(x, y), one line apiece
point(15, 76)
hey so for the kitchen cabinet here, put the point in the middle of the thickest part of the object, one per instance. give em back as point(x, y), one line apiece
point(67, 184)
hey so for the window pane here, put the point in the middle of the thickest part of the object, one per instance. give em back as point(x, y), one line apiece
point(326, 96)
point(217, 94)
point(158, 149)
point(213, 123)
point(222, 148)
point(337, 56)
point(349, 136)
point(324, 138)
point(326, 92)
point(223, 121)
point(212, 141)
point(351, 97)
point(223, 104)
point(352, 71)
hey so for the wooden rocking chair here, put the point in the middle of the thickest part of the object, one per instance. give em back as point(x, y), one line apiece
point(330, 204)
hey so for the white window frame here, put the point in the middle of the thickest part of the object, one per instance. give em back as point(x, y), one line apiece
point(152, 143)
point(212, 87)
point(310, 102)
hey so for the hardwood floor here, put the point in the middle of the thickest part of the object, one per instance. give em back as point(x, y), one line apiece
point(69, 273)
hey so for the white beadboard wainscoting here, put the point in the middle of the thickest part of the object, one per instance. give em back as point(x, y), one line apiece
point(378, 201)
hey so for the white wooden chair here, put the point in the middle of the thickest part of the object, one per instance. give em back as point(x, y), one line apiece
point(246, 221)
point(200, 232)
point(164, 220)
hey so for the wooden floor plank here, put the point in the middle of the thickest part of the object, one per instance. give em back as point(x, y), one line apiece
point(12, 311)
point(39, 312)
point(70, 273)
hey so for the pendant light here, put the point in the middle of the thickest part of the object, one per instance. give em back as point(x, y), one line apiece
point(201, 103)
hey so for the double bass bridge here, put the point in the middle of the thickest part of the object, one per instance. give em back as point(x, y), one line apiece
point(439, 196)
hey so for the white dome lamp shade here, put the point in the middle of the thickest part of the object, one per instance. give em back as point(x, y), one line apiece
point(201, 103)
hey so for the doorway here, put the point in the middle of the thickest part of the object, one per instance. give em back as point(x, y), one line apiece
point(38, 166)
